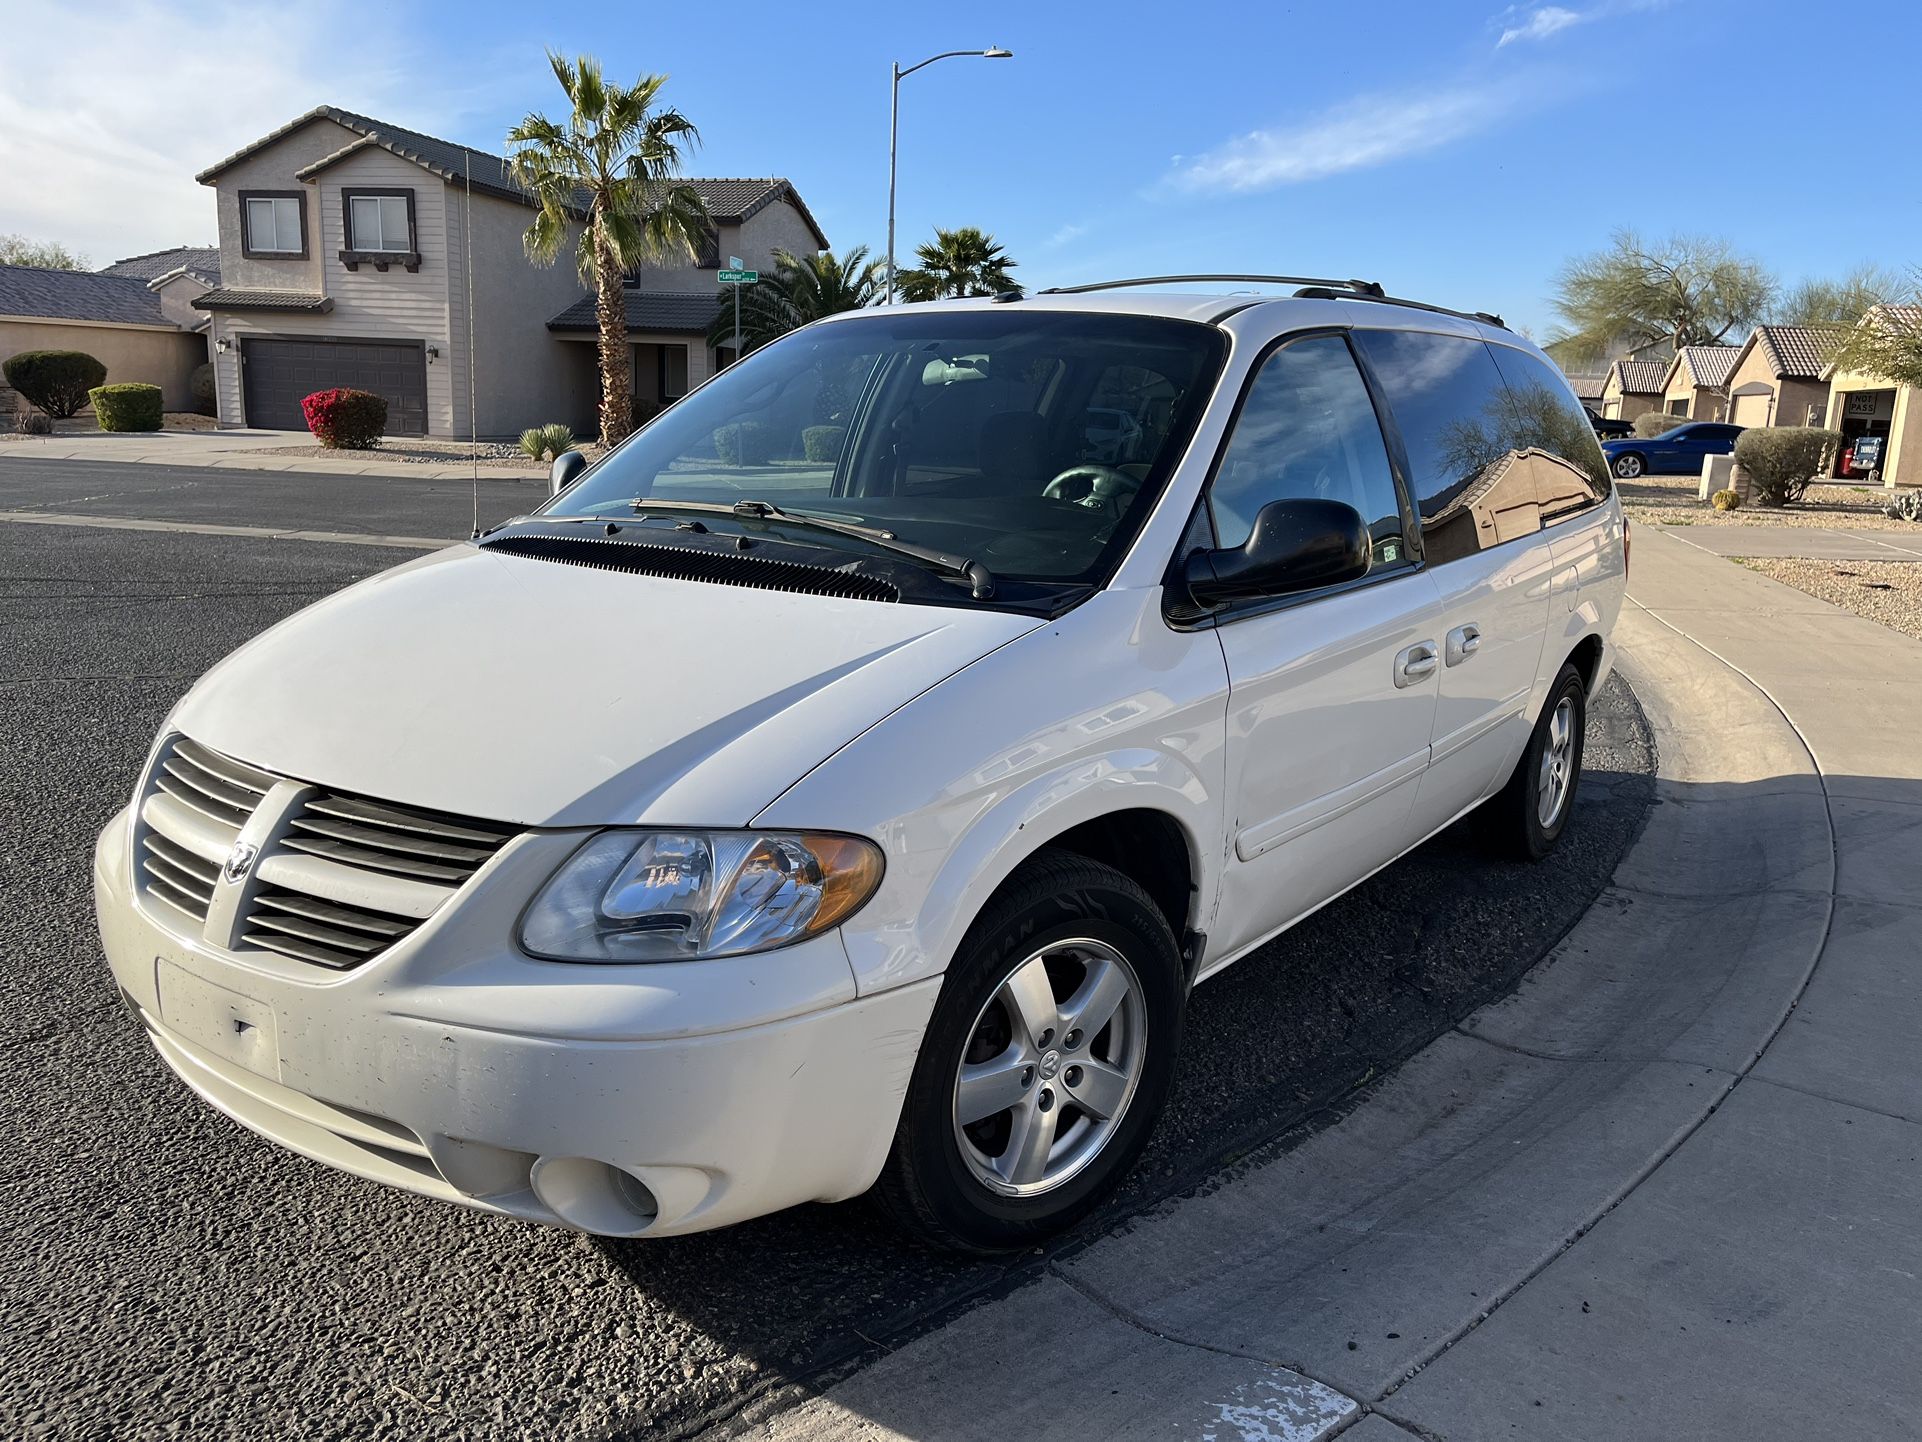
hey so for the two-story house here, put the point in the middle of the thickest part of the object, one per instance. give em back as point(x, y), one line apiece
point(349, 248)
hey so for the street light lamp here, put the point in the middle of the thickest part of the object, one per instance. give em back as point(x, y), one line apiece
point(993, 52)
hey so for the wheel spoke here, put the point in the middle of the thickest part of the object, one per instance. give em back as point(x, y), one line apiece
point(1025, 1159)
point(1096, 1000)
point(989, 1087)
point(1098, 1088)
point(1031, 995)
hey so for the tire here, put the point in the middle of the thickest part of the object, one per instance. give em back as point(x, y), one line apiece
point(1519, 820)
point(970, 1185)
point(1630, 466)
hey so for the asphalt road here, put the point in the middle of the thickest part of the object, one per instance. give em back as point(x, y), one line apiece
point(166, 1271)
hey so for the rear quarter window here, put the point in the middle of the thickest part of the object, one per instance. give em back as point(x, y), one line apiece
point(1497, 445)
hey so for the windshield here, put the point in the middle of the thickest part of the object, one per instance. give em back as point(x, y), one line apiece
point(1030, 442)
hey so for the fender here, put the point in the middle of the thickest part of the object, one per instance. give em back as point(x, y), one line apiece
point(1046, 733)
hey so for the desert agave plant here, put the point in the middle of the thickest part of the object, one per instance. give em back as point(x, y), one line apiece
point(546, 443)
point(1907, 506)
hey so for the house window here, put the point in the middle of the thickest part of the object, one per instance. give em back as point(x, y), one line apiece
point(273, 223)
point(380, 221)
point(673, 376)
point(1678, 408)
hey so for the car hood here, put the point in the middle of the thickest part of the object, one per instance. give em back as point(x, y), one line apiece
point(539, 693)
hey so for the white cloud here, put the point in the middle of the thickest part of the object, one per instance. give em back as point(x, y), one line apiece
point(1064, 235)
point(1525, 23)
point(1540, 24)
point(108, 109)
point(1367, 131)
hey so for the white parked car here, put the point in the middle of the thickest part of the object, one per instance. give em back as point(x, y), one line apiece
point(747, 828)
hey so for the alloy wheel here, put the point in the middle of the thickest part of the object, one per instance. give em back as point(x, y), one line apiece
point(1628, 467)
point(1557, 772)
point(1050, 1067)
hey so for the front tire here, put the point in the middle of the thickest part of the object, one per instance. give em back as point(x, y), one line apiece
point(1528, 815)
point(1629, 467)
point(1046, 1062)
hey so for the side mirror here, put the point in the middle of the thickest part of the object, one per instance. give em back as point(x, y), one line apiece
point(1294, 546)
point(567, 465)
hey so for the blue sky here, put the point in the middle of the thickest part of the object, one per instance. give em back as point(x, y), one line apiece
point(1458, 152)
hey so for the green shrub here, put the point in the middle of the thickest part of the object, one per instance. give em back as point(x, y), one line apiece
point(57, 381)
point(642, 410)
point(745, 443)
point(130, 406)
point(548, 442)
point(1780, 461)
point(345, 419)
point(822, 443)
point(1726, 500)
point(1653, 423)
point(201, 385)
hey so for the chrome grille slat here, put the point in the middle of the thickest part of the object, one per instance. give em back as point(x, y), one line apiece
point(346, 878)
point(426, 823)
point(445, 852)
point(389, 928)
point(373, 860)
point(180, 879)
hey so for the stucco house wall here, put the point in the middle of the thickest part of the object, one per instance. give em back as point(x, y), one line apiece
point(1788, 407)
point(151, 354)
point(1901, 407)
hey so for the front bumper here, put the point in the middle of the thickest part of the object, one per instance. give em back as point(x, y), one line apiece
point(623, 1100)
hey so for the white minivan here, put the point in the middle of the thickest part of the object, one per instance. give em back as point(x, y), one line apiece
point(843, 783)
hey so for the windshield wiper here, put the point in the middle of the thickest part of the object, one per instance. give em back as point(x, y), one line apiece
point(979, 578)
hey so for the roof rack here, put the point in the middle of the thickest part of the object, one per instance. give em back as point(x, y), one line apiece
point(1310, 288)
point(1367, 288)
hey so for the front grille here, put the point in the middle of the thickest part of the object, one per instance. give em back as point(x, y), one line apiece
point(345, 878)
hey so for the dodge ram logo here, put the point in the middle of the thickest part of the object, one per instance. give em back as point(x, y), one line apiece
point(239, 861)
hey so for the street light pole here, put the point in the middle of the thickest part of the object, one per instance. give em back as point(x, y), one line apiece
point(993, 52)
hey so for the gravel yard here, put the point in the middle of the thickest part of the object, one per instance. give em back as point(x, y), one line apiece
point(493, 455)
point(1886, 591)
point(85, 424)
point(1670, 501)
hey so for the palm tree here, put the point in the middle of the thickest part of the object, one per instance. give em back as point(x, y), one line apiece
point(958, 262)
point(612, 171)
point(799, 290)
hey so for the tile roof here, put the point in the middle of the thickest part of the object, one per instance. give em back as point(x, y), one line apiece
point(219, 299)
point(1639, 377)
point(726, 199)
point(1797, 352)
point(1906, 319)
point(1588, 388)
point(1709, 364)
point(27, 290)
point(200, 261)
point(677, 312)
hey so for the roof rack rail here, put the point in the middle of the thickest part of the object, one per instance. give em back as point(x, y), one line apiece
point(1365, 288)
point(1310, 288)
point(1322, 292)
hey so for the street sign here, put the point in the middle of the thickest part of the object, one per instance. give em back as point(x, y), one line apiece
point(738, 277)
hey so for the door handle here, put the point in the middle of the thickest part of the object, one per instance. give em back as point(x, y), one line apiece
point(1414, 664)
point(1464, 641)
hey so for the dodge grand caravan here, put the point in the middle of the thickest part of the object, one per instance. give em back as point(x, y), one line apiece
point(843, 783)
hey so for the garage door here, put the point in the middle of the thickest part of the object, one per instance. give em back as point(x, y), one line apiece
point(280, 374)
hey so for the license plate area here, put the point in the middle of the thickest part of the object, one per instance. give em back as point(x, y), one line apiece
point(233, 1027)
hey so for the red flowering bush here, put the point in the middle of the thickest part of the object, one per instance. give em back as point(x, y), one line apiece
point(344, 419)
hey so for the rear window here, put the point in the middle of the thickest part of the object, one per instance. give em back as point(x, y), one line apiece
point(1497, 444)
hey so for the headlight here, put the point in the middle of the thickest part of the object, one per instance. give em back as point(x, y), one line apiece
point(685, 895)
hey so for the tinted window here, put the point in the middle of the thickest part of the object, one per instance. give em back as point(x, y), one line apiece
point(992, 435)
point(1307, 430)
point(1495, 451)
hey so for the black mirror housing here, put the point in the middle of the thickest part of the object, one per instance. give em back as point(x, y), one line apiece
point(1293, 546)
point(567, 465)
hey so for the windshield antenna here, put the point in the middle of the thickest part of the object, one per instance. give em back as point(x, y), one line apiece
point(467, 263)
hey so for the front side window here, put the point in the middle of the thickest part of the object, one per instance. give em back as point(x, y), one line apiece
point(1307, 430)
point(1497, 446)
point(1033, 442)
point(379, 223)
point(274, 224)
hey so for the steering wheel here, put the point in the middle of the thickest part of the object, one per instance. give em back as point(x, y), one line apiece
point(1093, 486)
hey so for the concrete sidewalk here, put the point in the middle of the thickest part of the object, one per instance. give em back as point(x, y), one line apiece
point(245, 450)
point(1822, 543)
point(1667, 1189)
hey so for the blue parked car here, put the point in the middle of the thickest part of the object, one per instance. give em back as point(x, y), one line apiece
point(1676, 452)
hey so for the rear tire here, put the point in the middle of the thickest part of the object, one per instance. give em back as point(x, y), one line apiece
point(1528, 815)
point(1017, 1121)
point(1630, 466)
